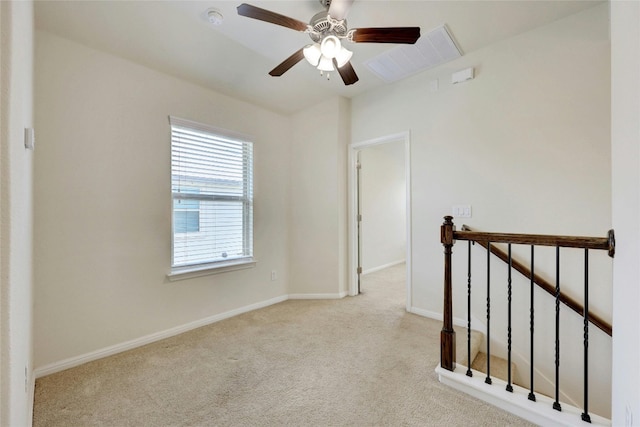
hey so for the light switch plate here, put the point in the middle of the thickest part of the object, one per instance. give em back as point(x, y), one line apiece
point(461, 211)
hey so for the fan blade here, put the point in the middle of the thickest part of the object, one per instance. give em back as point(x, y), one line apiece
point(408, 35)
point(339, 9)
point(347, 73)
point(266, 15)
point(287, 63)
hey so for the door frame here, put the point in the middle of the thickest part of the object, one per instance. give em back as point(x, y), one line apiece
point(354, 148)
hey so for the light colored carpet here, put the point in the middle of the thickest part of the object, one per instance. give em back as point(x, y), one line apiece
point(359, 361)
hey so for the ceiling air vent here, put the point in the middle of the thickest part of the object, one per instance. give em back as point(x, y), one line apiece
point(432, 49)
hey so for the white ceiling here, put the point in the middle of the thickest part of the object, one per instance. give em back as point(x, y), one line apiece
point(235, 58)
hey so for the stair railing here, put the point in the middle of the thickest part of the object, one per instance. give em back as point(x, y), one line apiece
point(448, 236)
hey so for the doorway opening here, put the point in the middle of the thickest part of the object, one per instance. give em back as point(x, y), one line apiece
point(380, 210)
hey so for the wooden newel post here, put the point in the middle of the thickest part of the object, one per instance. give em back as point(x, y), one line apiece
point(447, 335)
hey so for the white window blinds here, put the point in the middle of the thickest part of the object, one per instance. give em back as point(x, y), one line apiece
point(212, 189)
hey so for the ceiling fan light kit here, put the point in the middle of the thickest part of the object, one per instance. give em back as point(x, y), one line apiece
point(327, 30)
point(321, 55)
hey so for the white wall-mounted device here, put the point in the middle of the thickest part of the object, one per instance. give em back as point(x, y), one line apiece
point(462, 76)
point(29, 138)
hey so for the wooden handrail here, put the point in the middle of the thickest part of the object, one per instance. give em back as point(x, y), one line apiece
point(602, 243)
point(448, 236)
point(482, 238)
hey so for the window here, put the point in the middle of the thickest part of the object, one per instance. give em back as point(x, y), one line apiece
point(212, 190)
point(186, 212)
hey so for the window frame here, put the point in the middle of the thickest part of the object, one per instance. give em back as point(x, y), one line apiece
point(197, 269)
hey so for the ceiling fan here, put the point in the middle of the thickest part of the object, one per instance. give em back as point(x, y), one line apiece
point(327, 30)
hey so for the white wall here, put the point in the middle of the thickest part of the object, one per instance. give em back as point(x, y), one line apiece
point(383, 205)
point(527, 144)
point(103, 204)
point(318, 199)
point(16, 252)
point(525, 83)
point(625, 146)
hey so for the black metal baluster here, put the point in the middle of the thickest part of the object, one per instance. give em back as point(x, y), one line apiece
point(488, 379)
point(585, 414)
point(469, 373)
point(556, 404)
point(509, 386)
point(532, 396)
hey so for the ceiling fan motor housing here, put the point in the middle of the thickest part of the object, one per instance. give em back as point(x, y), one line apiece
point(323, 26)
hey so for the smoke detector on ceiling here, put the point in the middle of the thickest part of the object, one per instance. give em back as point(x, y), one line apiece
point(213, 16)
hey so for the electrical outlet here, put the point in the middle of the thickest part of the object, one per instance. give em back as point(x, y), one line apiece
point(274, 275)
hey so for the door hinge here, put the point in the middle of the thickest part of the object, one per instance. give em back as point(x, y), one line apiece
point(358, 165)
point(359, 270)
point(359, 218)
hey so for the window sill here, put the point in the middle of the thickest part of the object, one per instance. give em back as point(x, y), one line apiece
point(182, 273)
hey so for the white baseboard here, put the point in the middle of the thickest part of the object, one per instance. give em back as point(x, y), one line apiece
point(426, 313)
point(540, 412)
point(318, 296)
point(32, 392)
point(148, 339)
point(382, 267)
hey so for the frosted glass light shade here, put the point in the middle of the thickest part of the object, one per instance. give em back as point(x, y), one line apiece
point(343, 57)
point(330, 46)
point(326, 64)
point(312, 54)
